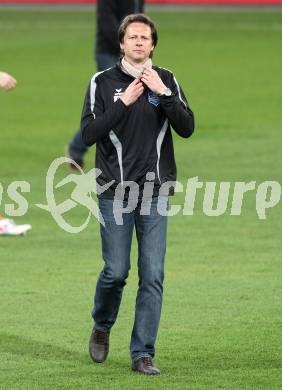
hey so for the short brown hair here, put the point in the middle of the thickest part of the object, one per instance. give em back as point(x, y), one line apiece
point(137, 18)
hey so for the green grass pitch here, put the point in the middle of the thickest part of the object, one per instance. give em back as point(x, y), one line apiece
point(221, 324)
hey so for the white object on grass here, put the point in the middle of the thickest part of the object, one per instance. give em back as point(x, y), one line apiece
point(9, 228)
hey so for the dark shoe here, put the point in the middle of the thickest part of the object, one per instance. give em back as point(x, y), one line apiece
point(145, 366)
point(76, 158)
point(99, 345)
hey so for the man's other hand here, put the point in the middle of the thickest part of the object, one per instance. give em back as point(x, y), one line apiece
point(153, 81)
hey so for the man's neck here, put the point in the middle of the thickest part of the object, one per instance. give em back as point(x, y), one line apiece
point(135, 70)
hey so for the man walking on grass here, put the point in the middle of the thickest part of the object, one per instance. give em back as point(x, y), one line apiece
point(128, 112)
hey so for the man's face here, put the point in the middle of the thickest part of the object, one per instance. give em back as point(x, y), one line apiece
point(137, 43)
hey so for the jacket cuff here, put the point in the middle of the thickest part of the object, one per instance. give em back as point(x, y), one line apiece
point(121, 105)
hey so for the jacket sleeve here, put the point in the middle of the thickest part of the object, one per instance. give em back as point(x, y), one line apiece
point(96, 122)
point(177, 109)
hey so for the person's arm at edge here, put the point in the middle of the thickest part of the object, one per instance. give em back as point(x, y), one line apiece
point(7, 82)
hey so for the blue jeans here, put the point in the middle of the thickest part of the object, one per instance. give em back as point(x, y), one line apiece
point(77, 147)
point(116, 244)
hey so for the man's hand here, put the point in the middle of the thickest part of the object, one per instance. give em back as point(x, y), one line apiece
point(7, 81)
point(153, 81)
point(132, 92)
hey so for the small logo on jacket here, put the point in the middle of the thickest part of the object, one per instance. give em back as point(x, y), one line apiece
point(153, 99)
point(117, 94)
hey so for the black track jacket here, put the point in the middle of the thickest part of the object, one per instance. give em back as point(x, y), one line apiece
point(134, 140)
